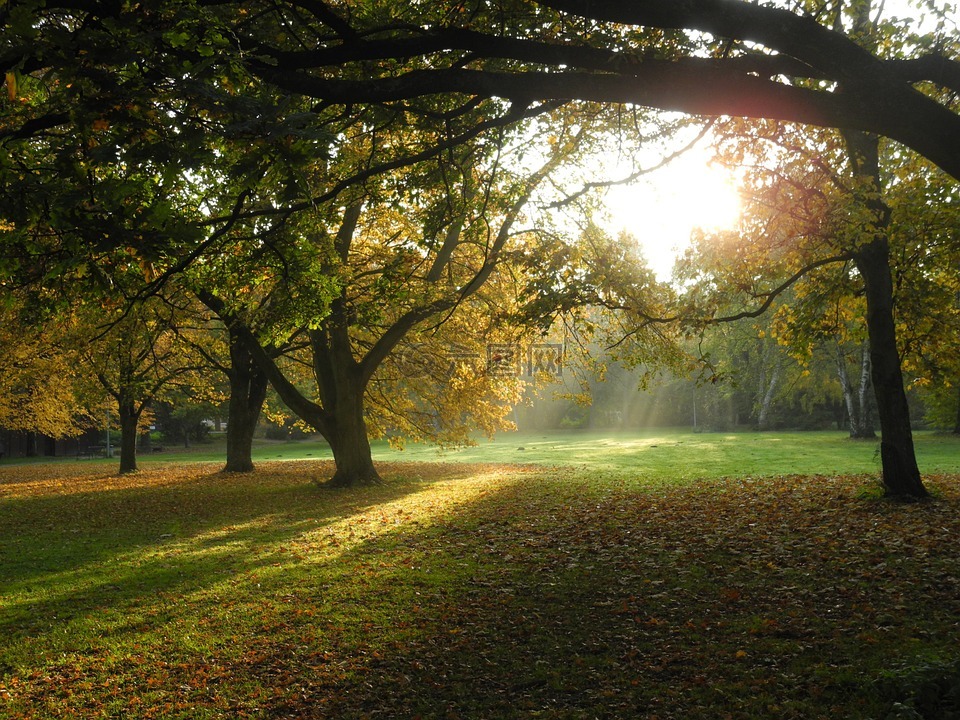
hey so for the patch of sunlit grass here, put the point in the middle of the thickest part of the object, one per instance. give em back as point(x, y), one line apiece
point(463, 590)
point(97, 560)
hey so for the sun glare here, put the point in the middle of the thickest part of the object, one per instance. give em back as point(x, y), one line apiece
point(663, 209)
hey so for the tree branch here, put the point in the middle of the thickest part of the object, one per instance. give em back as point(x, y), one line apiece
point(891, 109)
point(937, 69)
point(288, 392)
point(663, 162)
point(779, 290)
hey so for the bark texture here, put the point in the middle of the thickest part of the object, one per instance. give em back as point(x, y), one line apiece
point(248, 390)
point(901, 475)
point(856, 398)
point(129, 419)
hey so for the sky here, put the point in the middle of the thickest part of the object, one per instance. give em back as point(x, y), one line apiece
point(664, 207)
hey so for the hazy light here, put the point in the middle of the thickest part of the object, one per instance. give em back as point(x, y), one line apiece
point(663, 209)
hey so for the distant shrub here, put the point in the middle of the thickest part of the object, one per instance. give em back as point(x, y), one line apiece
point(288, 430)
point(575, 418)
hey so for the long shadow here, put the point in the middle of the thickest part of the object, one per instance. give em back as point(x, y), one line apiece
point(535, 598)
point(677, 605)
point(119, 547)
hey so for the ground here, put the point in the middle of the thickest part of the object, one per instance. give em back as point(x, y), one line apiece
point(473, 591)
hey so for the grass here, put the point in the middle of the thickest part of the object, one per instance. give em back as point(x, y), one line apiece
point(594, 587)
point(675, 454)
point(682, 455)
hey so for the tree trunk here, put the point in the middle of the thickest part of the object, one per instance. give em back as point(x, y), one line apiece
point(248, 390)
point(847, 387)
point(351, 447)
point(956, 427)
point(901, 476)
point(129, 419)
point(339, 417)
point(857, 400)
point(342, 390)
point(865, 428)
point(766, 402)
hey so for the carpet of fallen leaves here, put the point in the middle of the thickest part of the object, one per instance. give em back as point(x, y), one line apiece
point(458, 591)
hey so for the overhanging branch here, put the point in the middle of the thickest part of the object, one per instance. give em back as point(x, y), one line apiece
point(771, 296)
point(891, 109)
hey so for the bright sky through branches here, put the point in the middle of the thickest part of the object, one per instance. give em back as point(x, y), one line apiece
point(663, 209)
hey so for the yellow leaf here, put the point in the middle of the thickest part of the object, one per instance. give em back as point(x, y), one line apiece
point(11, 86)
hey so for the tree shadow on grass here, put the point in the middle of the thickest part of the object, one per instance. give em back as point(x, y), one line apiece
point(100, 542)
point(764, 600)
point(519, 593)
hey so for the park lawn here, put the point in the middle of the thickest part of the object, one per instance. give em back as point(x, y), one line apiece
point(471, 591)
point(669, 454)
point(680, 455)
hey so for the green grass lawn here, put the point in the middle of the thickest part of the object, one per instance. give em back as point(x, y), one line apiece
point(669, 454)
point(604, 583)
point(681, 455)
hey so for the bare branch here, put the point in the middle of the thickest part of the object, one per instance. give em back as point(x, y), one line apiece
point(666, 160)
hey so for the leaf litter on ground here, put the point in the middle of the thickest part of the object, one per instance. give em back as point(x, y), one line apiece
point(466, 591)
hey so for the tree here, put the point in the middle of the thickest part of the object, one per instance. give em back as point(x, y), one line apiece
point(182, 419)
point(855, 394)
point(758, 54)
point(704, 57)
point(40, 383)
point(925, 257)
point(153, 86)
point(221, 349)
point(407, 261)
point(136, 357)
point(810, 213)
point(836, 57)
point(248, 391)
point(869, 249)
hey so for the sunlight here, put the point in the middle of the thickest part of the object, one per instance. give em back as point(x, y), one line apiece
point(664, 208)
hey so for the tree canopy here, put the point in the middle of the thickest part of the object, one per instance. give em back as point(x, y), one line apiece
point(706, 57)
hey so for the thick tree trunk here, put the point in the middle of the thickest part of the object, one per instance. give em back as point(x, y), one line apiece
point(339, 416)
point(346, 427)
point(901, 476)
point(129, 419)
point(351, 448)
point(248, 390)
